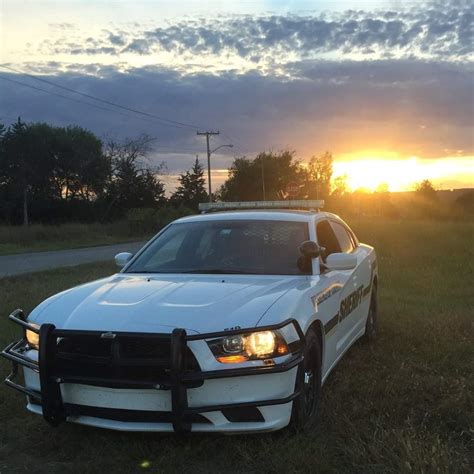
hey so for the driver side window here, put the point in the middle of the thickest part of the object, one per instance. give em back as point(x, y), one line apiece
point(343, 237)
point(327, 239)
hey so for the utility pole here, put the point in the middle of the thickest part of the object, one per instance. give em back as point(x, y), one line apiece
point(209, 153)
point(207, 134)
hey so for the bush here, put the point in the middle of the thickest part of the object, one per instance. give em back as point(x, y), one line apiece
point(149, 220)
point(40, 237)
point(464, 204)
point(168, 214)
point(142, 220)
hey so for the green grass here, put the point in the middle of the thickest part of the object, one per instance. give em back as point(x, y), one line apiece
point(404, 404)
point(39, 238)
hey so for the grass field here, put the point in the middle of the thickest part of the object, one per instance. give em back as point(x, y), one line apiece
point(39, 238)
point(404, 404)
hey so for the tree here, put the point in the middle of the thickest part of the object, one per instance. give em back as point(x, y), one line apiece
point(318, 182)
point(425, 201)
point(265, 177)
point(26, 163)
point(80, 169)
point(340, 186)
point(382, 188)
point(132, 182)
point(191, 190)
point(465, 203)
point(383, 201)
point(46, 170)
point(426, 191)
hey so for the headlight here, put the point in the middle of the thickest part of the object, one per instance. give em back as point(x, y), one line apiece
point(252, 346)
point(32, 337)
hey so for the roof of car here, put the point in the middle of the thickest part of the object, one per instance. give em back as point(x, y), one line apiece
point(264, 214)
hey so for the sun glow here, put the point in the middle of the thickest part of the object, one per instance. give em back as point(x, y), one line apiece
point(369, 172)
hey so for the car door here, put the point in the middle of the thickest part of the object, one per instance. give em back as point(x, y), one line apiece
point(333, 284)
point(351, 309)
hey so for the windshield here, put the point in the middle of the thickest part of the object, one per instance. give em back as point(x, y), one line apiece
point(246, 247)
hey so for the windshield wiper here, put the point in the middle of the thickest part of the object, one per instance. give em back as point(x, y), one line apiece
point(140, 271)
point(210, 271)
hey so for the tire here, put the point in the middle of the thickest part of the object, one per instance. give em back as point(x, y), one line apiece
point(306, 407)
point(372, 323)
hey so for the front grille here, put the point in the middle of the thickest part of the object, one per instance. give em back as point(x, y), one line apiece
point(140, 347)
point(140, 359)
point(85, 345)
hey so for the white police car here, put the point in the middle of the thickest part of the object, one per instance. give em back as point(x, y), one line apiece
point(227, 321)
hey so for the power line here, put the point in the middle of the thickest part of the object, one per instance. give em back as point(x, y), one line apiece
point(166, 121)
point(173, 149)
point(144, 115)
point(234, 141)
point(8, 117)
point(24, 84)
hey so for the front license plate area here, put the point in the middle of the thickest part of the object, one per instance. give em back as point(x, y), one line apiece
point(106, 397)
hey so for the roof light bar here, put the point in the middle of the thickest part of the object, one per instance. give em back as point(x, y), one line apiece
point(225, 206)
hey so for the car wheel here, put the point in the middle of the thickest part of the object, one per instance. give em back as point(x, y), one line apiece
point(305, 411)
point(371, 324)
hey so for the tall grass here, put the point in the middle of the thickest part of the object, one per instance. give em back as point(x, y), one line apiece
point(37, 237)
point(404, 404)
point(139, 224)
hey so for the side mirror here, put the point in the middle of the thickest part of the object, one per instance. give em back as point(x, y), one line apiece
point(341, 261)
point(309, 249)
point(122, 258)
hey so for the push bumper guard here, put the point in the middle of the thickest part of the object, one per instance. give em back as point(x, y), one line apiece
point(50, 398)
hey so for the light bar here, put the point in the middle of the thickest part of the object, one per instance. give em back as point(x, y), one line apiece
point(301, 204)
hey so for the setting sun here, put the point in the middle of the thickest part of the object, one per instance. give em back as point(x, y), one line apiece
point(369, 172)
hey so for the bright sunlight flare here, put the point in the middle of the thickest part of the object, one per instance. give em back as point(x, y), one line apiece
point(400, 174)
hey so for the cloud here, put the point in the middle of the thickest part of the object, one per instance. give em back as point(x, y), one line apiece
point(348, 82)
point(61, 26)
point(118, 39)
point(434, 31)
point(139, 46)
point(408, 106)
point(94, 51)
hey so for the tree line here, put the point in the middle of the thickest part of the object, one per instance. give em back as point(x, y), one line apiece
point(54, 174)
point(268, 175)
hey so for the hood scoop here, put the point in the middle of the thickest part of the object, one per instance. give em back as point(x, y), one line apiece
point(129, 291)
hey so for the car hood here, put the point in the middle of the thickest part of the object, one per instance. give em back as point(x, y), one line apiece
point(160, 303)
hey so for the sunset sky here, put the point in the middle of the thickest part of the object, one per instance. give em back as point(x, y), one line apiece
point(386, 86)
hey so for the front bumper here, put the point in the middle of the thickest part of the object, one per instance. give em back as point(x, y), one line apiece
point(241, 399)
